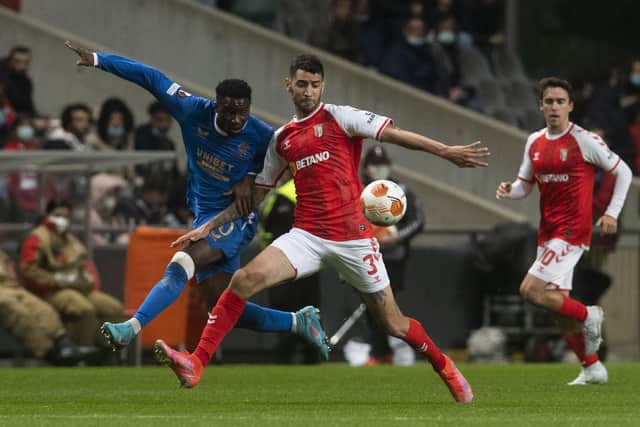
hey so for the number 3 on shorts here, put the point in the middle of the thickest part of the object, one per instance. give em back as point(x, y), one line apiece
point(371, 259)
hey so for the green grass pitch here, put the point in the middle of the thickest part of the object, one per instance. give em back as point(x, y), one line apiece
point(331, 395)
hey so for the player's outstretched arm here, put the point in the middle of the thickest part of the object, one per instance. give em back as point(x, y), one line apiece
point(147, 77)
point(231, 213)
point(515, 190)
point(464, 156)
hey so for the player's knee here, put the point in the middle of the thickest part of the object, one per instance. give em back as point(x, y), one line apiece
point(245, 284)
point(530, 293)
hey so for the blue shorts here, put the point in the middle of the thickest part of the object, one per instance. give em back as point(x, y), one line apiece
point(231, 239)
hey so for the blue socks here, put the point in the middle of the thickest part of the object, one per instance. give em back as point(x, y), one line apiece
point(262, 319)
point(163, 294)
point(167, 290)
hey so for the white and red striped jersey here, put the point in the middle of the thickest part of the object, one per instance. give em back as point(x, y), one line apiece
point(564, 165)
point(322, 152)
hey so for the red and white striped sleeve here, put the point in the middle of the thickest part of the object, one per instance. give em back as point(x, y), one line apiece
point(355, 122)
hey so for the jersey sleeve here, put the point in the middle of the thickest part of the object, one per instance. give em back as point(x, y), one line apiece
point(595, 151)
point(257, 163)
point(525, 173)
point(179, 102)
point(356, 122)
point(274, 166)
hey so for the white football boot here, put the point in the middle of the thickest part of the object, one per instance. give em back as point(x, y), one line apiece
point(594, 374)
point(592, 329)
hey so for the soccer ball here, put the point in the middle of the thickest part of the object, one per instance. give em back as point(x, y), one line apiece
point(383, 202)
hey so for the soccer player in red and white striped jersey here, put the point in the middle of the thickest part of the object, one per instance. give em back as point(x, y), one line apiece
point(321, 149)
point(562, 159)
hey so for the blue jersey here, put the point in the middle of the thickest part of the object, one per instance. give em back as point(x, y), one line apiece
point(216, 161)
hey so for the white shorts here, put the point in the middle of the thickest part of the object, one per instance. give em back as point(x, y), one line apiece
point(555, 263)
point(359, 262)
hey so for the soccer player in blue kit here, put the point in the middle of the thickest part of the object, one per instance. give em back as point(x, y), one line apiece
point(225, 148)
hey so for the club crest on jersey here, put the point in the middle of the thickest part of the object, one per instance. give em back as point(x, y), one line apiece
point(317, 130)
point(536, 156)
point(563, 154)
point(243, 149)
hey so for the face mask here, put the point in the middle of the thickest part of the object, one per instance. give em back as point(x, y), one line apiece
point(447, 37)
point(61, 223)
point(635, 79)
point(415, 41)
point(115, 133)
point(25, 133)
point(378, 171)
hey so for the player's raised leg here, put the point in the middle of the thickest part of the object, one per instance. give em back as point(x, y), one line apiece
point(536, 291)
point(384, 309)
point(303, 322)
point(269, 268)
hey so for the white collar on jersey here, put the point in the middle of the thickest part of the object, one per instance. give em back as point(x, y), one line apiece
point(220, 131)
point(558, 135)
point(295, 118)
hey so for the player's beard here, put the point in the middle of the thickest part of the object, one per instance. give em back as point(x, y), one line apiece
point(308, 106)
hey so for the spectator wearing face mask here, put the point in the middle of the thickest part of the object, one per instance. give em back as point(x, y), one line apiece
point(450, 40)
point(154, 135)
point(55, 266)
point(414, 61)
point(115, 125)
point(23, 187)
point(14, 72)
point(395, 244)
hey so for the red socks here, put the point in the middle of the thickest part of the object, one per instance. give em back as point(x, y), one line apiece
point(576, 343)
point(222, 319)
point(418, 339)
point(573, 309)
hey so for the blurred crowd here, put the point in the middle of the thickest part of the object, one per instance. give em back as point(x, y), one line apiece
point(455, 49)
point(121, 198)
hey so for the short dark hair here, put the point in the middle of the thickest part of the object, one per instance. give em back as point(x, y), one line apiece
point(18, 49)
point(233, 88)
point(548, 82)
point(70, 109)
point(157, 107)
point(55, 204)
point(306, 62)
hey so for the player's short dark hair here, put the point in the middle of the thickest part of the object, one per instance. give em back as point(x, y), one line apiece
point(72, 108)
point(548, 82)
point(55, 204)
point(18, 49)
point(306, 62)
point(233, 88)
point(157, 107)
